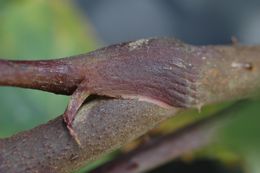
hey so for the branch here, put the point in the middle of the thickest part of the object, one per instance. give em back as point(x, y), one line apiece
point(102, 126)
point(215, 73)
point(164, 149)
point(179, 74)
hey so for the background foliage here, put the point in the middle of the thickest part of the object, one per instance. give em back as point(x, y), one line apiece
point(38, 30)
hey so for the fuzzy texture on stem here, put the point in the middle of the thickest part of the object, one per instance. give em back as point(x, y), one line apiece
point(102, 126)
point(159, 151)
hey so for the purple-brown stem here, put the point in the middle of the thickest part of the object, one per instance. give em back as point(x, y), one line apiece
point(158, 70)
point(58, 76)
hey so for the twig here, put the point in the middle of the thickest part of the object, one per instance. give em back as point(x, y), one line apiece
point(192, 75)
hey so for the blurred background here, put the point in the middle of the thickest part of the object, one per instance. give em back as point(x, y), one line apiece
point(44, 29)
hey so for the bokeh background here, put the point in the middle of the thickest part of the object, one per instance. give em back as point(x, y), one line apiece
point(44, 29)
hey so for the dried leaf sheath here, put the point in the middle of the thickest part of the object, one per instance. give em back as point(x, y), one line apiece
point(148, 73)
